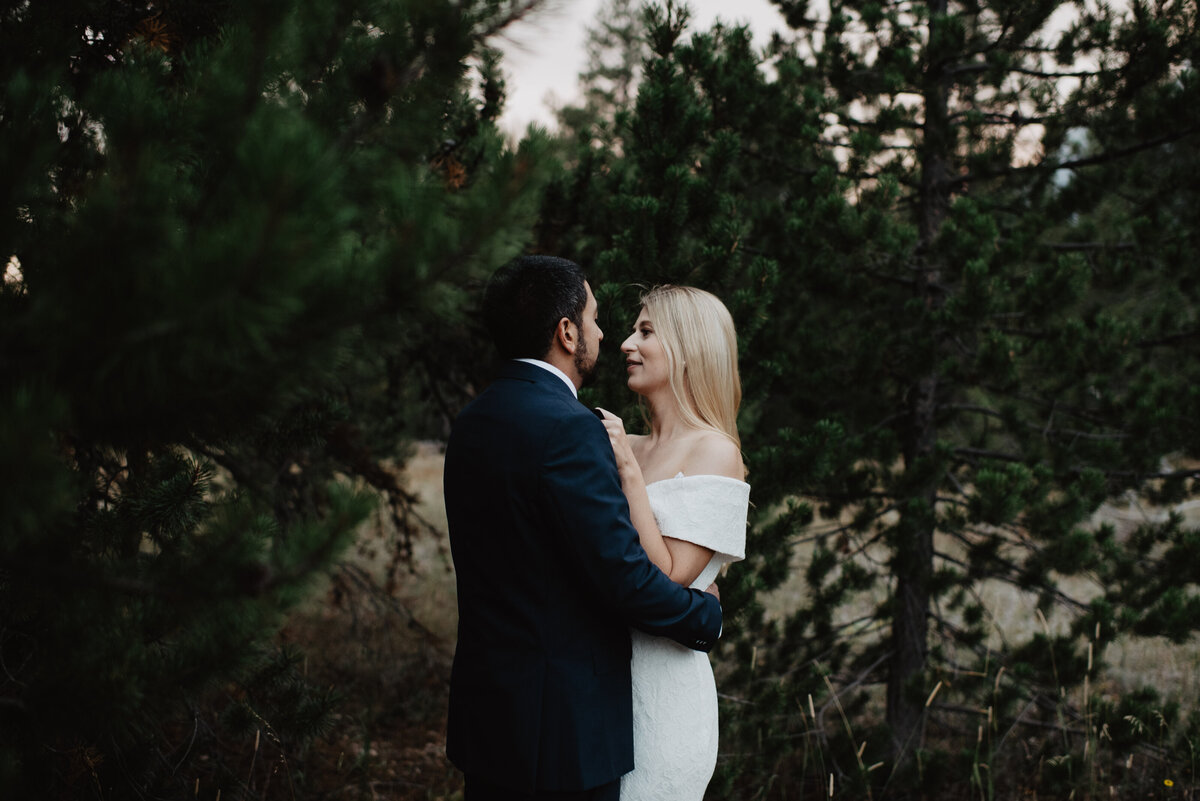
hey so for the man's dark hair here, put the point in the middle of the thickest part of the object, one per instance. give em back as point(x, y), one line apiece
point(526, 298)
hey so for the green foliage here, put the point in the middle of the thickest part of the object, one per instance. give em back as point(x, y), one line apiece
point(240, 240)
point(955, 241)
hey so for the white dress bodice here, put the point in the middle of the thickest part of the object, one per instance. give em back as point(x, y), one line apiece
point(674, 695)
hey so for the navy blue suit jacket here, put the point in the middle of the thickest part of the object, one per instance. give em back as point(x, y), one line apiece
point(550, 576)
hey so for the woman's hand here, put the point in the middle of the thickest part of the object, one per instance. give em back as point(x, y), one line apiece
point(681, 561)
point(627, 465)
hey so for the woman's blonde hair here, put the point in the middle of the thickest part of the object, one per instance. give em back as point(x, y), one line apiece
point(697, 334)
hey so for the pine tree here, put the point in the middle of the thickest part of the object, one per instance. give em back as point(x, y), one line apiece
point(1013, 397)
point(616, 47)
point(658, 207)
point(978, 321)
point(239, 242)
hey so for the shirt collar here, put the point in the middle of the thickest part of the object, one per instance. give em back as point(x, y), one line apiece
point(551, 368)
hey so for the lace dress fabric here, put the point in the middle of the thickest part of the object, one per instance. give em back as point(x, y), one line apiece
point(674, 695)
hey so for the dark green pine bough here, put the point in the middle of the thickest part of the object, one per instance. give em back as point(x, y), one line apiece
point(238, 238)
point(959, 242)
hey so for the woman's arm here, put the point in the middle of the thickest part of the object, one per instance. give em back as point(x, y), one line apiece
point(581, 493)
point(681, 561)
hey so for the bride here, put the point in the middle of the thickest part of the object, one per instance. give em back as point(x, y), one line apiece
point(688, 501)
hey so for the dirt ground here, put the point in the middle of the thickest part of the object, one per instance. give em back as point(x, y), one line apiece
point(382, 633)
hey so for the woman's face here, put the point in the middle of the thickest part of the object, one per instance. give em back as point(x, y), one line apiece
point(645, 358)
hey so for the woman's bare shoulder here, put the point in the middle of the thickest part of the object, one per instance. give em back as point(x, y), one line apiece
point(714, 454)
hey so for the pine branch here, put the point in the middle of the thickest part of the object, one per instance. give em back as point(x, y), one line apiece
point(1040, 50)
point(345, 445)
point(1054, 406)
point(518, 12)
point(974, 590)
point(1070, 433)
point(836, 632)
point(240, 474)
point(907, 283)
point(974, 454)
point(852, 122)
point(362, 581)
point(1046, 430)
point(1106, 157)
point(1015, 119)
point(1011, 534)
point(1025, 333)
point(861, 550)
point(1012, 577)
point(965, 69)
point(1088, 246)
point(446, 411)
point(858, 680)
point(1170, 339)
point(880, 148)
point(958, 635)
point(1057, 75)
point(841, 529)
point(780, 163)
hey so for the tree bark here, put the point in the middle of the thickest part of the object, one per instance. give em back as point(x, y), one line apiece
point(912, 565)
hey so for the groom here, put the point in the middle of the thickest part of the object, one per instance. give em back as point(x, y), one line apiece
point(550, 572)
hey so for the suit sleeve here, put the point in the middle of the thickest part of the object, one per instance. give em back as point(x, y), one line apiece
point(583, 493)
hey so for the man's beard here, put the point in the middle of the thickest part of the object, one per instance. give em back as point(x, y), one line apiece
point(585, 368)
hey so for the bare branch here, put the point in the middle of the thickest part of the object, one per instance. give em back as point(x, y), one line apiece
point(1169, 474)
point(971, 454)
point(967, 407)
point(1057, 75)
point(1056, 406)
point(854, 526)
point(1087, 246)
point(1015, 119)
point(1106, 157)
point(1013, 576)
point(851, 122)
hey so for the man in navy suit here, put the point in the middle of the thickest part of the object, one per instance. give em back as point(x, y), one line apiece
point(550, 571)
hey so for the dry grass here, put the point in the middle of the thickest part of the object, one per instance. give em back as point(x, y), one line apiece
point(389, 652)
point(1172, 669)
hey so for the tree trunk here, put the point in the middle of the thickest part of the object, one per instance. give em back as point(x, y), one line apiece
point(912, 566)
point(913, 562)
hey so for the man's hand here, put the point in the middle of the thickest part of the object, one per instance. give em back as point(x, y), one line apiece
point(712, 590)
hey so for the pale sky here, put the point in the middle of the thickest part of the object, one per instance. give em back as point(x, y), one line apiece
point(543, 55)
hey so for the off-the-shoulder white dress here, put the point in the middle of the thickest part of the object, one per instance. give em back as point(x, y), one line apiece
point(674, 695)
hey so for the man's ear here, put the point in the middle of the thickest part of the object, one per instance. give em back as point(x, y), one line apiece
point(566, 336)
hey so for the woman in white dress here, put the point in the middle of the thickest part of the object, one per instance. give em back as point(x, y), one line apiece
point(688, 500)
